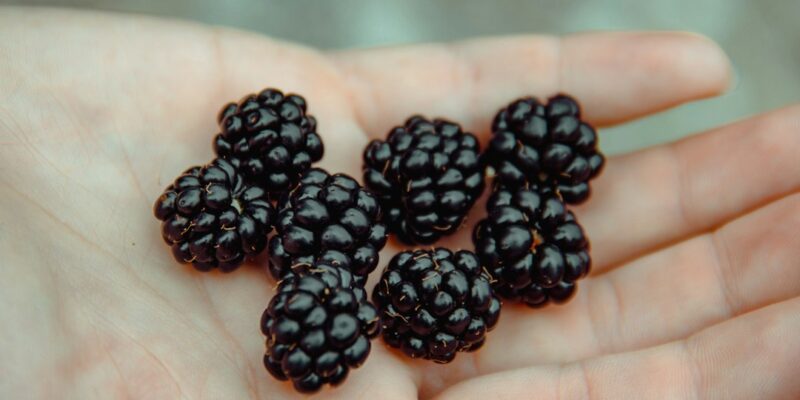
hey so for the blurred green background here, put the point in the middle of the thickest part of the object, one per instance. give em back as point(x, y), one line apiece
point(761, 37)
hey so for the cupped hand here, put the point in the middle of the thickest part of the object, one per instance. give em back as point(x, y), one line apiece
point(696, 282)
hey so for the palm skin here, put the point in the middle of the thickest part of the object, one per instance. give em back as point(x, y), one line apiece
point(696, 284)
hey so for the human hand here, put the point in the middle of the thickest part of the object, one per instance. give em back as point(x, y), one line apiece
point(101, 112)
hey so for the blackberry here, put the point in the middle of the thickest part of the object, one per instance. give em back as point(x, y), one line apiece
point(212, 218)
point(427, 175)
point(318, 327)
point(435, 303)
point(532, 245)
point(532, 141)
point(270, 138)
point(330, 217)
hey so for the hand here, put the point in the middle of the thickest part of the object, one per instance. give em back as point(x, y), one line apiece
point(101, 112)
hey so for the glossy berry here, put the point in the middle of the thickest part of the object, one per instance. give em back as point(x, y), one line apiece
point(535, 142)
point(427, 175)
point(211, 218)
point(532, 245)
point(435, 303)
point(318, 326)
point(327, 216)
point(270, 138)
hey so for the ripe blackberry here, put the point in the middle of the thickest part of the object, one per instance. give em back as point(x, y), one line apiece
point(532, 141)
point(270, 138)
point(329, 217)
point(318, 326)
point(427, 175)
point(212, 218)
point(435, 303)
point(532, 245)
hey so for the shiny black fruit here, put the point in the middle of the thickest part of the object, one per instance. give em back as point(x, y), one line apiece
point(435, 303)
point(327, 217)
point(212, 218)
point(427, 175)
point(318, 327)
point(534, 142)
point(270, 138)
point(532, 245)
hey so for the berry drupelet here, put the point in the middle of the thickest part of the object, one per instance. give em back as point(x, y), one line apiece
point(330, 217)
point(318, 327)
point(435, 303)
point(532, 245)
point(212, 218)
point(427, 175)
point(536, 142)
point(270, 138)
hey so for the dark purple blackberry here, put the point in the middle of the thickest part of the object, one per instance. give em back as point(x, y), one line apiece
point(212, 218)
point(535, 142)
point(427, 175)
point(318, 327)
point(270, 138)
point(329, 217)
point(532, 245)
point(435, 303)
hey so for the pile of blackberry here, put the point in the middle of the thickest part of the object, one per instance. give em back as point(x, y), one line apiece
point(420, 183)
point(328, 234)
point(327, 241)
point(217, 215)
point(542, 157)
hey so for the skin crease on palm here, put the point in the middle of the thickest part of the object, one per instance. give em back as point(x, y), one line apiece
point(695, 291)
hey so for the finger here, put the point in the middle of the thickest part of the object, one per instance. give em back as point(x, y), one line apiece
point(752, 356)
point(654, 197)
point(616, 76)
point(746, 264)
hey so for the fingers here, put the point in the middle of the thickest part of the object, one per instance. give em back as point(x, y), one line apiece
point(753, 356)
point(747, 264)
point(654, 197)
point(616, 76)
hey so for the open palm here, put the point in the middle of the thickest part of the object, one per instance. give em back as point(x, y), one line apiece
point(696, 245)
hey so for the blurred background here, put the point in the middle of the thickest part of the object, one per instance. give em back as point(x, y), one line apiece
point(761, 37)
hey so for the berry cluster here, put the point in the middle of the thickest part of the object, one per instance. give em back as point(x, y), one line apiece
point(420, 183)
point(221, 213)
point(542, 157)
point(318, 326)
point(328, 235)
